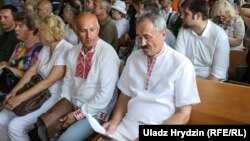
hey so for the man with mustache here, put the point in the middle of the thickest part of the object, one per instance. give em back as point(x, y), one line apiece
point(203, 42)
point(157, 85)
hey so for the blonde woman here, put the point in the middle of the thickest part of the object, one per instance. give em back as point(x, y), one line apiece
point(223, 14)
point(51, 66)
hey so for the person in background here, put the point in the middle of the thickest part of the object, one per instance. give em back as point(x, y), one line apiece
point(69, 15)
point(237, 4)
point(167, 12)
point(245, 14)
point(203, 42)
point(131, 11)
point(108, 31)
point(27, 50)
point(57, 6)
point(152, 7)
point(44, 8)
point(175, 23)
point(8, 40)
point(51, 66)
point(29, 6)
point(118, 14)
point(164, 86)
point(89, 6)
point(15, 3)
point(224, 15)
point(175, 5)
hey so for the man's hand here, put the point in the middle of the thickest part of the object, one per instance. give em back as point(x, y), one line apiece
point(68, 120)
point(110, 127)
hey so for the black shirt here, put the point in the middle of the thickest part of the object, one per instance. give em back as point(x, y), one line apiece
point(8, 42)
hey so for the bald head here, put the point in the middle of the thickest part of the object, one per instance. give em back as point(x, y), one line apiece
point(87, 18)
point(44, 8)
point(87, 29)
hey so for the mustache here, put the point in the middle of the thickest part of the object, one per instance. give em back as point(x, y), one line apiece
point(145, 47)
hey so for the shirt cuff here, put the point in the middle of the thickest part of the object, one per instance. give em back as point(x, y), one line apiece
point(78, 114)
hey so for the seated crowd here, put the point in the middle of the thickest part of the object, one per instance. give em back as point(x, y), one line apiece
point(78, 47)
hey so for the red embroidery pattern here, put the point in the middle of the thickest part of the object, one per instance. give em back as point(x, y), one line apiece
point(102, 115)
point(150, 68)
point(149, 72)
point(84, 62)
point(79, 66)
point(78, 114)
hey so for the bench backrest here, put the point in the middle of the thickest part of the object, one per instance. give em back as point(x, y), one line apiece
point(237, 58)
point(221, 103)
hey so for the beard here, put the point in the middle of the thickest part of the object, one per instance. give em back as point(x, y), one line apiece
point(185, 26)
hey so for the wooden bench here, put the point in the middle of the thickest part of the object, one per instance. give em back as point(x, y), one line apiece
point(221, 103)
point(237, 58)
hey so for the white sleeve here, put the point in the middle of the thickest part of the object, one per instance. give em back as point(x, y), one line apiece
point(123, 83)
point(68, 80)
point(186, 92)
point(239, 28)
point(60, 60)
point(221, 58)
point(41, 54)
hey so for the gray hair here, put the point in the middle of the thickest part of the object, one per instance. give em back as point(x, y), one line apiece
point(76, 11)
point(106, 5)
point(157, 20)
point(151, 7)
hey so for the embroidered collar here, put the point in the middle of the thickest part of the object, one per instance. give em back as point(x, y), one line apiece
point(84, 62)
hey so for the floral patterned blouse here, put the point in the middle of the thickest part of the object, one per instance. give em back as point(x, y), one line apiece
point(24, 57)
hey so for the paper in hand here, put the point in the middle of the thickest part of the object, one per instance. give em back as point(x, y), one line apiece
point(99, 129)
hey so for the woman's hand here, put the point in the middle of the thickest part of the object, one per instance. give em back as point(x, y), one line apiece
point(8, 96)
point(13, 102)
point(4, 64)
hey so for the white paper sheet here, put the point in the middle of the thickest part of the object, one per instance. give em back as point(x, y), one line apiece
point(99, 129)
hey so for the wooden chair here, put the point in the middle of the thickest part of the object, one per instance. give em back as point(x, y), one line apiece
point(237, 58)
point(221, 103)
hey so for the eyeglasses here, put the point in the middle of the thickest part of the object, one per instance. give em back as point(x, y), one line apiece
point(220, 17)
